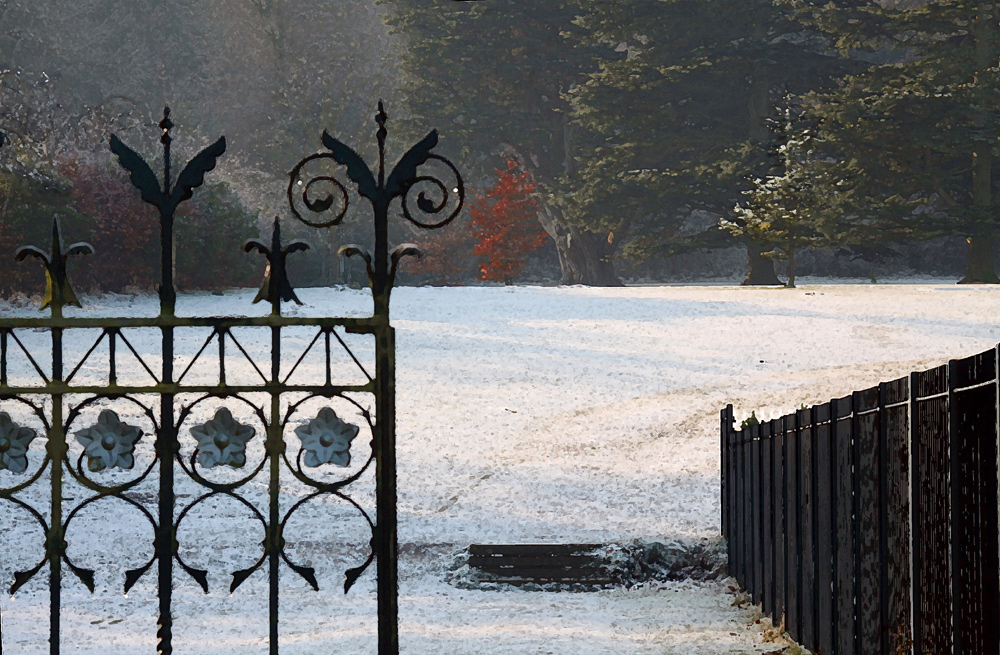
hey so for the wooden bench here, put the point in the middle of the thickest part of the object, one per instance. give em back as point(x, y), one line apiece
point(540, 564)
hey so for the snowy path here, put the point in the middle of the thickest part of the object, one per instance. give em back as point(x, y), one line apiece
point(533, 414)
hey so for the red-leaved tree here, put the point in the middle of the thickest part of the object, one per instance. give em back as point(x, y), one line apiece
point(504, 222)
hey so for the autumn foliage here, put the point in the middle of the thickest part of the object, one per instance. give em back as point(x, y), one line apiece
point(96, 203)
point(505, 226)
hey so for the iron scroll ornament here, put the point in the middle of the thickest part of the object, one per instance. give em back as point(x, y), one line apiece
point(433, 197)
point(91, 429)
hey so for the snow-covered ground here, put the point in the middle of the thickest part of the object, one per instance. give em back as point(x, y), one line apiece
point(525, 414)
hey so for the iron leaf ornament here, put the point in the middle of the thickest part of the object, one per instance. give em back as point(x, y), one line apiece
point(357, 169)
point(166, 197)
point(58, 291)
point(143, 178)
point(433, 198)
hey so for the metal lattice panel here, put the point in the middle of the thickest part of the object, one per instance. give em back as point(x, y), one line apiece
point(263, 403)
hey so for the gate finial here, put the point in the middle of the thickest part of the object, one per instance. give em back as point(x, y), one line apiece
point(276, 286)
point(167, 198)
point(58, 291)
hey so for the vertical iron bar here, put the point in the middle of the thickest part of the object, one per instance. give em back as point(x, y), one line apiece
point(166, 443)
point(221, 334)
point(166, 448)
point(385, 416)
point(112, 368)
point(385, 490)
point(168, 296)
point(3, 358)
point(56, 448)
point(329, 373)
point(275, 448)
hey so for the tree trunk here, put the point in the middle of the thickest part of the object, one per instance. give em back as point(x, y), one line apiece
point(981, 269)
point(584, 257)
point(790, 258)
point(760, 269)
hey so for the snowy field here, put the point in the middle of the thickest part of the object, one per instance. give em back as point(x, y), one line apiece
point(525, 414)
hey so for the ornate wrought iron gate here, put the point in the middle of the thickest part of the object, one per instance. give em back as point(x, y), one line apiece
point(59, 412)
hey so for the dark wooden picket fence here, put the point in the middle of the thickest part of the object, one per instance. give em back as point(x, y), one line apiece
point(870, 522)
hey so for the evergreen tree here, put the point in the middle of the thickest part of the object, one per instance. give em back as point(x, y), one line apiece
point(491, 76)
point(678, 117)
point(916, 134)
point(784, 207)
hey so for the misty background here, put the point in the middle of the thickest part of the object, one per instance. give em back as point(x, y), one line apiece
point(663, 140)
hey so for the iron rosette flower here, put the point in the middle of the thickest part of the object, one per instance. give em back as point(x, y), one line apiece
point(110, 443)
point(14, 442)
point(222, 441)
point(327, 439)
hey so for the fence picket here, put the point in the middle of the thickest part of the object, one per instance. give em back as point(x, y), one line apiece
point(807, 541)
point(931, 591)
point(895, 509)
point(793, 582)
point(767, 522)
point(747, 510)
point(723, 470)
point(868, 588)
point(824, 531)
point(844, 606)
point(780, 520)
point(737, 510)
point(974, 507)
point(756, 517)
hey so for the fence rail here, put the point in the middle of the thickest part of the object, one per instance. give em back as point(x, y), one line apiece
point(870, 522)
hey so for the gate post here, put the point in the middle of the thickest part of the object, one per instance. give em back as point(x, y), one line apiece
point(382, 264)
